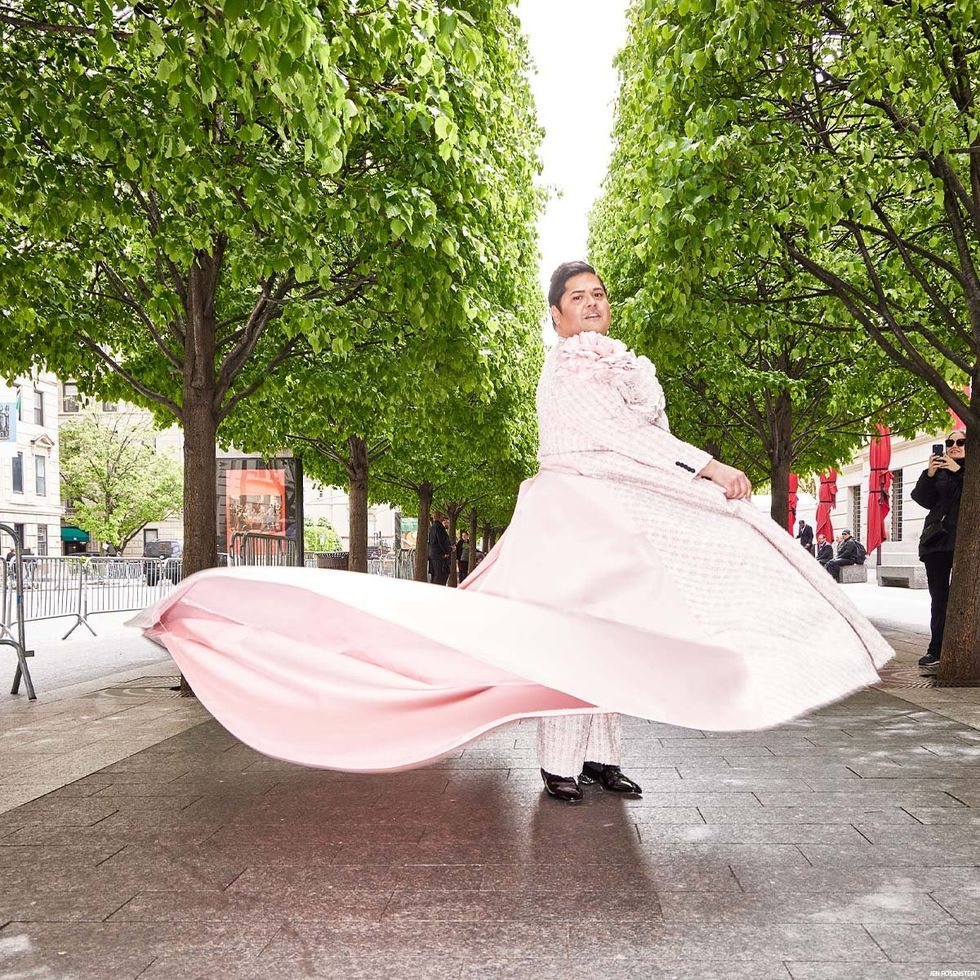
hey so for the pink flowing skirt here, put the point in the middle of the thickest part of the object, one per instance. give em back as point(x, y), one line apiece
point(574, 610)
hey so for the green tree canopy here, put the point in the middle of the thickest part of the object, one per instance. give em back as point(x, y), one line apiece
point(192, 194)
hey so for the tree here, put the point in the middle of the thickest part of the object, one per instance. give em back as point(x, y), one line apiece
point(115, 478)
point(319, 535)
point(841, 139)
point(244, 185)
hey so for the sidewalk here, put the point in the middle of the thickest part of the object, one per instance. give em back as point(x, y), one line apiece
point(843, 845)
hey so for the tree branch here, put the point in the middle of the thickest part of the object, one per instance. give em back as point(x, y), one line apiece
point(128, 378)
point(266, 373)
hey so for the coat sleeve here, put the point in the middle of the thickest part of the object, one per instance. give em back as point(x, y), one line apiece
point(598, 411)
point(924, 492)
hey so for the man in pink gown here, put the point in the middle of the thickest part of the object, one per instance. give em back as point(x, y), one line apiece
point(365, 673)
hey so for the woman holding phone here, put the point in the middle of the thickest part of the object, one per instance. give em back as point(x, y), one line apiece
point(938, 490)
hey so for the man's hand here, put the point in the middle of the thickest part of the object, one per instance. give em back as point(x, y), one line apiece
point(734, 482)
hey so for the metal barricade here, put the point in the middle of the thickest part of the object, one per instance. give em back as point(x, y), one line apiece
point(53, 588)
point(406, 563)
point(19, 644)
point(124, 584)
point(256, 548)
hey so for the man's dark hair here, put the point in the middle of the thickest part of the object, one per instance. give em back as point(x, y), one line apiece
point(561, 275)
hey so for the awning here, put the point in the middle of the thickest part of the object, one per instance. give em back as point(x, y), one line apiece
point(74, 534)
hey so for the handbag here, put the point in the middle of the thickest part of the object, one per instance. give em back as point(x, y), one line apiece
point(932, 531)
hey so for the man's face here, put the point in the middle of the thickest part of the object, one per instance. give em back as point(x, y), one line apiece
point(583, 306)
point(445, 523)
point(821, 539)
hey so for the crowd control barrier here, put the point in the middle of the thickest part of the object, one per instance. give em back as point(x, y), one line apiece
point(13, 589)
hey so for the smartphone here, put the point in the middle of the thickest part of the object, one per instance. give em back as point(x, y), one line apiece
point(938, 449)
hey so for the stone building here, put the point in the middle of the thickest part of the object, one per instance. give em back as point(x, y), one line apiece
point(30, 497)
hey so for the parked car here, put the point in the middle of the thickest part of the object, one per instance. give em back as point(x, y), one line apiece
point(161, 561)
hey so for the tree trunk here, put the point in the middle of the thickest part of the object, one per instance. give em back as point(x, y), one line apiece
point(779, 487)
point(422, 536)
point(199, 415)
point(781, 458)
point(485, 538)
point(959, 663)
point(199, 418)
point(473, 540)
point(713, 448)
point(357, 474)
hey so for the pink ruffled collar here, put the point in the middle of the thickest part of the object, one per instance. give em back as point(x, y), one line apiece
point(589, 350)
point(611, 361)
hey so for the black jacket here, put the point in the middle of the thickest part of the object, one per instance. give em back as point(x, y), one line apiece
point(940, 495)
point(825, 552)
point(805, 536)
point(440, 546)
point(847, 552)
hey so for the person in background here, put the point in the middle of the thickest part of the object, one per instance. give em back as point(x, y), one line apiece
point(847, 554)
point(825, 550)
point(440, 550)
point(463, 555)
point(938, 490)
point(804, 535)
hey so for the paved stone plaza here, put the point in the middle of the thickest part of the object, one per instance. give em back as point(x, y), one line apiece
point(155, 845)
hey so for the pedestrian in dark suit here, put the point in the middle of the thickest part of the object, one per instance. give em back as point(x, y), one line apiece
point(825, 550)
point(440, 550)
point(805, 535)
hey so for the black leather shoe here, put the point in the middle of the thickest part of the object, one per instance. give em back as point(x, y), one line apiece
point(610, 778)
point(565, 788)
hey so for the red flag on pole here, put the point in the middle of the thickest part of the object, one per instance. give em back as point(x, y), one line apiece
point(826, 502)
point(794, 486)
point(878, 486)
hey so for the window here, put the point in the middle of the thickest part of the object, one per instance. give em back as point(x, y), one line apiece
point(69, 398)
point(38, 407)
point(40, 476)
point(6, 423)
point(110, 407)
point(896, 505)
point(856, 513)
point(17, 473)
point(42, 539)
point(150, 534)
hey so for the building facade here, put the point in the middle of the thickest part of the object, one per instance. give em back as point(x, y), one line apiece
point(30, 482)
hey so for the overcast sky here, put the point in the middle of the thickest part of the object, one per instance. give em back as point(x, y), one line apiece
point(573, 45)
